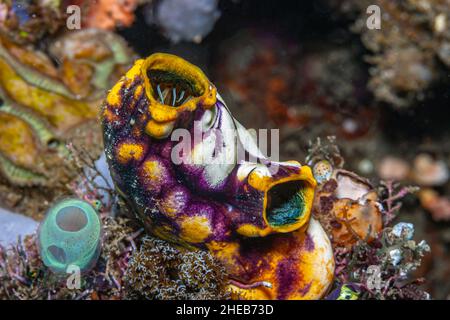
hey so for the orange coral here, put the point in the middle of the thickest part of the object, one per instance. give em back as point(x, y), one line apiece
point(107, 14)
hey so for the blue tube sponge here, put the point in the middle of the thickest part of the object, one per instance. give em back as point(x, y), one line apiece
point(70, 236)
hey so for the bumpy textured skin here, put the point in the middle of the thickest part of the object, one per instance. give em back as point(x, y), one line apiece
point(222, 206)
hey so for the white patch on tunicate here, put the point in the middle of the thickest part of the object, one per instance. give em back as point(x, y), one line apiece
point(248, 141)
point(217, 162)
point(324, 262)
point(247, 167)
point(208, 118)
point(244, 170)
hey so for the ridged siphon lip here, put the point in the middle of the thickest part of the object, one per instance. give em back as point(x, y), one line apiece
point(172, 82)
point(173, 86)
point(288, 202)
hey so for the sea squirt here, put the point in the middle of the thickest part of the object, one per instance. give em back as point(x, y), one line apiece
point(69, 236)
point(254, 216)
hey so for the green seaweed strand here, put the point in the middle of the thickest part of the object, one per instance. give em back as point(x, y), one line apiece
point(18, 175)
point(42, 132)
